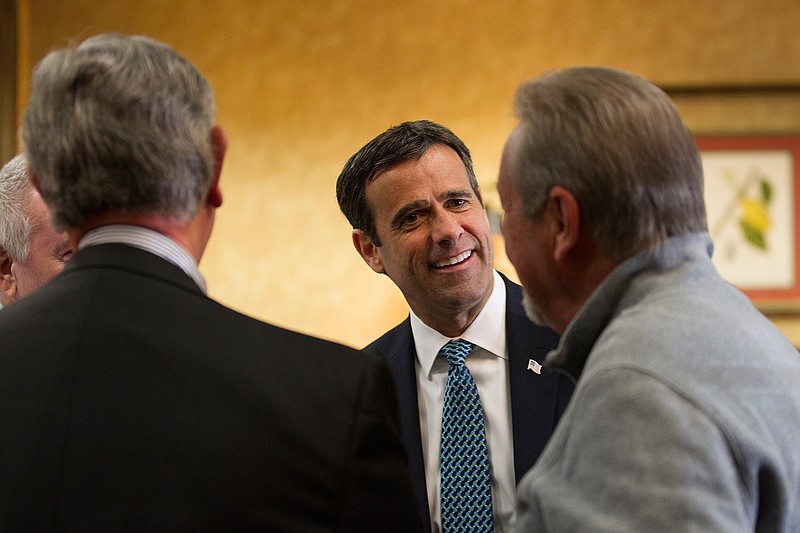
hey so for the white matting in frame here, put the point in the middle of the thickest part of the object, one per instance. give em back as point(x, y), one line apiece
point(752, 191)
point(750, 203)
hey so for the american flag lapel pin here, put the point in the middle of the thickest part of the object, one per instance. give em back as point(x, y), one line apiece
point(534, 367)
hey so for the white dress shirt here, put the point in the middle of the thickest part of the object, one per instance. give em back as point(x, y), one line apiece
point(488, 364)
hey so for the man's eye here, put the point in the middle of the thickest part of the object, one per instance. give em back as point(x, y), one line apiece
point(410, 219)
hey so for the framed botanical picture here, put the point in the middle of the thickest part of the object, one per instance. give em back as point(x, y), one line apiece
point(752, 198)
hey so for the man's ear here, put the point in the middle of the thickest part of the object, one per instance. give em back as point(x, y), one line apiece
point(8, 283)
point(34, 180)
point(368, 250)
point(566, 219)
point(219, 145)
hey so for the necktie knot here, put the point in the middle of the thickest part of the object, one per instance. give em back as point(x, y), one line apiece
point(456, 351)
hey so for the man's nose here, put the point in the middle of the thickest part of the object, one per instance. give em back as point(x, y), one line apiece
point(446, 228)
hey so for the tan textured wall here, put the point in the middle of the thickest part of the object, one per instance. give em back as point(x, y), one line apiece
point(301, 85)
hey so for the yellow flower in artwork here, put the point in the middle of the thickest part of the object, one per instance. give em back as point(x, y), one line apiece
point(755, 215)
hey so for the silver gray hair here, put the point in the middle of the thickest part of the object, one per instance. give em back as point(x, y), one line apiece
point(16, 223)
point(119, 123)
point(618, 144)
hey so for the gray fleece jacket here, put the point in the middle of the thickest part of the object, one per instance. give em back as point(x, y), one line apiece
point(686, 414)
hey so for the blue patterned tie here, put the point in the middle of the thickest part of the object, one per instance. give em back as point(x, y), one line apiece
point(466, 493)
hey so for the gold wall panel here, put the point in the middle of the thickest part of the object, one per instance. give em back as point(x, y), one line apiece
point(301, 85)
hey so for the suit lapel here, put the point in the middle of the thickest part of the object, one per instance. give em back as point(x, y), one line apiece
point(534, 405)
point(398, 349)
point(533, 396)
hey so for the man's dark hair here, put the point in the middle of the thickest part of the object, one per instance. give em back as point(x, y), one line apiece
point(401, 143)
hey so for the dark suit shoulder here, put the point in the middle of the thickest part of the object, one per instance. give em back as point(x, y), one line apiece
point(397, 338)
point(280, 337)
point(172, 391)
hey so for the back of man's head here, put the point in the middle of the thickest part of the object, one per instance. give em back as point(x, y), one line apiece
point(618, 144)
point(119, 124)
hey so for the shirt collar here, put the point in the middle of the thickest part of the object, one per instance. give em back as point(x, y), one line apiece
point(488, 330)
point(150, 241)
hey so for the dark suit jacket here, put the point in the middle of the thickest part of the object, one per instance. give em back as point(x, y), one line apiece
point(537, 401)
point(131, 401)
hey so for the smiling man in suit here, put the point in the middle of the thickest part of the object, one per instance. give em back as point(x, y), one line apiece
point(417, 214)
point(130, 400)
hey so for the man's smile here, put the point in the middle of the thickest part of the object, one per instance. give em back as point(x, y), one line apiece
point(450, 261)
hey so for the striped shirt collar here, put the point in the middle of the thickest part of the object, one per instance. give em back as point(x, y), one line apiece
point(148, 240)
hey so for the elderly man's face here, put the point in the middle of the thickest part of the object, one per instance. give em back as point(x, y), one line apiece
point(49, 250)
point(526, 246)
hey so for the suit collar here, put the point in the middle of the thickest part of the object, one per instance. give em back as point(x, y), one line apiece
point(127, 258)
point(148, 240)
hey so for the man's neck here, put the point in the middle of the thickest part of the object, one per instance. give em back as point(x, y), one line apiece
point(452, 322)
point(183, 233)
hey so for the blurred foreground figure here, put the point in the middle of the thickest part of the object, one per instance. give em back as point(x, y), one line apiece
point(129, 400)
point(686, 413)
point(32, 252)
